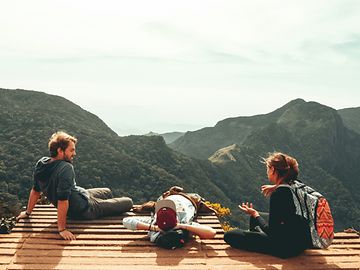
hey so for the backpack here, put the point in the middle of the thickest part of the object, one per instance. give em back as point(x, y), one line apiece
point(172, 239)
point(313, 206)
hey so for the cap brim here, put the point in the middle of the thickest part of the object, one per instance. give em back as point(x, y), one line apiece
point(165, 203)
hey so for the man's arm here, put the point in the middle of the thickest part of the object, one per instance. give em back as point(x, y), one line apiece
point(33, 198)
point(203, 231)
point(62, 208)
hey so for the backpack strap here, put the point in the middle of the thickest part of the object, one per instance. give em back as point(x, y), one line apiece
point(297, 202)
point(284, 185)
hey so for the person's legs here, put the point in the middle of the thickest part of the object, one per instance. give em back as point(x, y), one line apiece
point(247, 240)
point(109, 207)
point(100, 193)
point(281, 247)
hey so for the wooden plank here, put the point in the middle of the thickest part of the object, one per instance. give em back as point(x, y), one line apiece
point(136, 242)
point(7, 251)
point(266, 259)
point(347, 246)
point(285, 265)
point(346, 241)
point(113, 261)
point(125, 253)
point(104, 232)
point(102, 267)
point(136, 248)
point(332, 252)
point(308, 253)
point(14, 235)
point(116, 236)
point(11, 240)
point(80, 230)
point(110, 227)
point(10, 245)
point(223, 245)
point(5, 259)
point(341, 235)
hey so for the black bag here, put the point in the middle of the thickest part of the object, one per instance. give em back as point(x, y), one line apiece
point(172, 239)
point(7, 224)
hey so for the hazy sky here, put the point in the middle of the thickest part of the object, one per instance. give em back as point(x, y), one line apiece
point(182, 65)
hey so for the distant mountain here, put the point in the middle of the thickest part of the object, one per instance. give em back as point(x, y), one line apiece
point(169, 137)
point(204, 142)
point(315, 134)
point(351, 118)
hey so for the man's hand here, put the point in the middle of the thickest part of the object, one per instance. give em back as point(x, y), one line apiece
point(249, 209)
point(267, 190)
point(67, 235)
point(22, 215)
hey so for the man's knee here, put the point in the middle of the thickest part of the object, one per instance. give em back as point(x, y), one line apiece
point(107, 192)
point(125, 203)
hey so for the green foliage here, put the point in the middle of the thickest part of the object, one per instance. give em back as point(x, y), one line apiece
point(351, 118)
point(142, 167)
point(137, 166)
point(9, 205)
point(326, 150)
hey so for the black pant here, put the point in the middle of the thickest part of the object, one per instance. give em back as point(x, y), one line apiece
point(258, 241)
point(102, 203)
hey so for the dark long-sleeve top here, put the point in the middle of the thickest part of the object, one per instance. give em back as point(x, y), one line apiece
point(284, 225)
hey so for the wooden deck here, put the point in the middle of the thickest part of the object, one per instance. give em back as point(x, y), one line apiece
point(106, 244)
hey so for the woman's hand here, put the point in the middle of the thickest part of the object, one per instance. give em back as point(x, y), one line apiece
point(249, 209)
point(267, 190)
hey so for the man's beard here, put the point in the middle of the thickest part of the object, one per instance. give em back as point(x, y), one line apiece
point(70, 160)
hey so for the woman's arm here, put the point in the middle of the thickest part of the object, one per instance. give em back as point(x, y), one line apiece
point(251, 211)
point(203, 231)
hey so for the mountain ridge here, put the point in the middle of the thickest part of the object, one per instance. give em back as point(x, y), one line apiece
point(313, 133)
point(143, 167)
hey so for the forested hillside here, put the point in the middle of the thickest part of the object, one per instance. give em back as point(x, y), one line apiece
point(137, 166)
point(142, 167)
point(327, 150)
point(351, 118)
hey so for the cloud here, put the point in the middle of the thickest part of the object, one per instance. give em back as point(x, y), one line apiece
point(137, 55)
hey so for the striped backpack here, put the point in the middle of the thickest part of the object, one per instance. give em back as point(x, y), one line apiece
point(313, 206)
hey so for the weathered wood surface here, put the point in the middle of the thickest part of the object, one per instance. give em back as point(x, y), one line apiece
point(106, 244)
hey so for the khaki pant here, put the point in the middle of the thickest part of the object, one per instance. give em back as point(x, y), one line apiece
point(102, 203)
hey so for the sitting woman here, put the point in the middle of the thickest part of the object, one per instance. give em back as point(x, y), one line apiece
point(172, 221)
point(286, 234)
